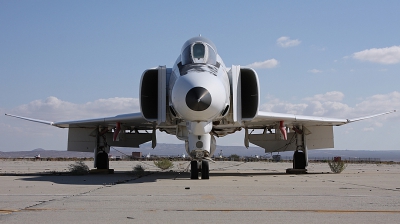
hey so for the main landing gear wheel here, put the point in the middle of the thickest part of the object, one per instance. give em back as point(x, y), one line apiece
point(194, 170)
point(102, 160)
point(299, 160)
point(205, 170)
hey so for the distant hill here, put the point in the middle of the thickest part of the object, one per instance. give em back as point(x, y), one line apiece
point(179, 149)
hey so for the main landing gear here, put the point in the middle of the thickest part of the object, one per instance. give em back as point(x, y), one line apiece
point(299, 160)
point(102, 161)
point(197, 167)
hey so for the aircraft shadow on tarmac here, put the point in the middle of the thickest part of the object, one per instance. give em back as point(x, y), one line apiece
point(126, 178)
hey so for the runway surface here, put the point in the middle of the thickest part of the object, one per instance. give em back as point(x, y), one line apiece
point(236, 193)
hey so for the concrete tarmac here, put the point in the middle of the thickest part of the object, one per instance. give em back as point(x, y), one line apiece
point(254, 192)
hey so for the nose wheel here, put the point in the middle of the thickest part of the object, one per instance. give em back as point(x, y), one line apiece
point(204, 169)
point(194, 170)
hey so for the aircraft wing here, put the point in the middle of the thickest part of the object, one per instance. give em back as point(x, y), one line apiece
point(317, 131)
point(132, 120)
point(264, 119)
point(81, 135)
point(261, 120)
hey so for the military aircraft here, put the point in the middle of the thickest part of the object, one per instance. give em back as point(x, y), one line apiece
point(196, 100)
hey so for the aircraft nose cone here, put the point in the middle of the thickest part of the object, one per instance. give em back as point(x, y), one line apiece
point(198, 99)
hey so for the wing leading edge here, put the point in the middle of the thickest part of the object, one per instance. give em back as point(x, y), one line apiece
point(261, 120)
point(270, 118)
point(133, 119)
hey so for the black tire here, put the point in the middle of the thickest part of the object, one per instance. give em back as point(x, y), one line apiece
point(194, 170)
point(102, 160)
point(299, 160)
point(205, 170)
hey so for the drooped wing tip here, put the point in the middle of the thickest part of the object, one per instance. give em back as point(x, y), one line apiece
point(31, 119)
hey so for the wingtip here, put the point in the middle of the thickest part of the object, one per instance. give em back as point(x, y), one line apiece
point(31, 119)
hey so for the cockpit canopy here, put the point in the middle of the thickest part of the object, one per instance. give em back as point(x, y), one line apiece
point(198, 50)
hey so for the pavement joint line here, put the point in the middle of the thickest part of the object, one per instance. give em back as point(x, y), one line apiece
point(283, 210)
point(223, 168)
point(360, 185)
point(9, 211)
point(32, 207)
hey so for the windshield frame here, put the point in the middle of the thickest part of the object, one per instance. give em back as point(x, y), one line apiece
point(210, 54)
point(205, 53)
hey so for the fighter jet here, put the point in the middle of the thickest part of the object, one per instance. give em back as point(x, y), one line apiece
point(196, 100)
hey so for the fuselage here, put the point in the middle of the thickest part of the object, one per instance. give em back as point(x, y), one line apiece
point(199, 84)
point(199, 93)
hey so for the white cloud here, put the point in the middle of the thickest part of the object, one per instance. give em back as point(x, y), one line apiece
point(328, 109)
point(314, 71)
point(380, 103)
point(329, 96)
point(368, 129)
point(54, 109)
point(387, 55)
point(277, 105)
point(271, 63)
point(287, 42)
point(17, 134)
point(330, 105)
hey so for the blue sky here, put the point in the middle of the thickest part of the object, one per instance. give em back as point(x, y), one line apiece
point(63, 60)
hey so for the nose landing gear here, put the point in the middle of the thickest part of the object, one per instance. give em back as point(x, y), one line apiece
point(205, 170)
point(197, 167)
point(194, 170)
